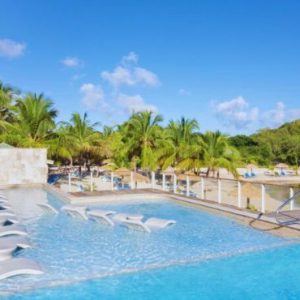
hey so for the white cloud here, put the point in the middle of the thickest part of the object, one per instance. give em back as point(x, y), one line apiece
point(279, 115)
point(236, 113)
point(72, 62)
point(145, 76)
point(135, 103)
point(239, 114)
point(184, 92)
point(118, 77)
point(92, 96)
point(11, 49)
point(128, 74)
point(131, 57)
point(274, 117)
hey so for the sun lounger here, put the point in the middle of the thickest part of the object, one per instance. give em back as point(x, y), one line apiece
point(75, 211)
point(8, 247)
point(123, 217)
point(19, 266)
point(15, 241)
point(149, 225)
point(5, 221)
point(12, 230)
point(101, 216)
point(7, 213)
point(47, 208)
point(4, 206)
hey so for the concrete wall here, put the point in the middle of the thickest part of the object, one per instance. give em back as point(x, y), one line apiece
point(23, 166)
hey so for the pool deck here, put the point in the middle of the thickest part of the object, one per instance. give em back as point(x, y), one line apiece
point(265, 222)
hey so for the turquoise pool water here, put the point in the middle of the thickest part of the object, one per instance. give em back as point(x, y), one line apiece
point(203, 256)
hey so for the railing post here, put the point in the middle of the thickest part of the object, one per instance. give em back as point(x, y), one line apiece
point(175, 183)
point(131, 180)
point(239, 195)
point(219, 191)
point(69, 183)
point(164, 182)
point(263, 198)
point(202, 188)
point(112, 180)
point(187, 186)
point(91, 183)
point(293, 201)
point(152, 179)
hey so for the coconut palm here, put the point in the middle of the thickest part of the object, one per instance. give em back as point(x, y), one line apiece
point(180, 136)
point(61, 145)
point(213, 152)
point(83, 136)
point(218, 153)
point(143, 137)
point(6, 105)
point(34, 121)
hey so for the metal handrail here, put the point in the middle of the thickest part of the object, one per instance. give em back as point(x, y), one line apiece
point(286, 202)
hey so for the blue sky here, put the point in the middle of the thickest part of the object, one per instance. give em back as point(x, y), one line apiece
point(232, 65)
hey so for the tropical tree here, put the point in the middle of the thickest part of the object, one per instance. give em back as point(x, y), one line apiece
point(179, 136)
point(219, 154)
point(85, 140)
point(61, 146)
point(143, 135)
point(6, 106)
point(34, 123)
point(213, 152)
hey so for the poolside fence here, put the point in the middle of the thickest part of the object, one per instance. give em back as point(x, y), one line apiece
point(244, 194)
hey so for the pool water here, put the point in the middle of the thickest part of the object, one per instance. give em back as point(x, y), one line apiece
point(203, 254)
point(272, 274)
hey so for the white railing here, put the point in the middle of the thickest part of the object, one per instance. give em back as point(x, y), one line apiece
point(239, 193)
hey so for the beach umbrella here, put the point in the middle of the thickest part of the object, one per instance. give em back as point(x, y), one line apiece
point(191, 176)
point(282, 166)
point(251, 166)
point(169, 171)
point(122, 172)
point(136, 178)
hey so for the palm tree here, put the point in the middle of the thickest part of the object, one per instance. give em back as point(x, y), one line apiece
point(180, 136)
point(218, 153)
point(61, 145)
point(84, 138)
point(34, 122)
point(142, 138)
point(213, 152)
point(6, 106)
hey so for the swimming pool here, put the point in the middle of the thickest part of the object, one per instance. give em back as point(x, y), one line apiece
point(203, 254)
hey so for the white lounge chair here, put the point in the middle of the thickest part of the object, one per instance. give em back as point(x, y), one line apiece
point(76, 211)
point(8, 247)
point(47, 208)
point(4, 206)
point(5, 221)
point(19, 266)
point(15, 241)
point(6, 252)
point(12, 230)
point(123, 217)
point(101, 216)
point(7, 213)
point(149, 225)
